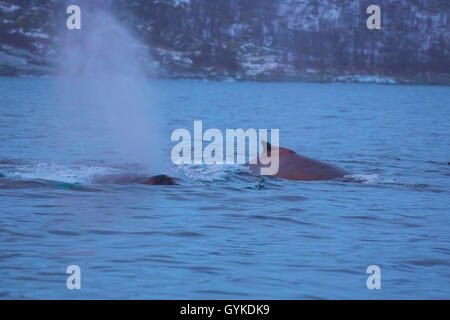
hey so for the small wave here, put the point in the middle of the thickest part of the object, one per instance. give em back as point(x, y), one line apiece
point(54, 172)
point(376, 179)
point(48, 171)
point(5, 162)
point(362, 178)
point(209, 173)
point(29, 184)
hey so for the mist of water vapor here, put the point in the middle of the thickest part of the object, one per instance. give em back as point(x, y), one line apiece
point(104, 97)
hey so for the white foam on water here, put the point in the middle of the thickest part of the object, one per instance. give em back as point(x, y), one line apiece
point(364, 178)
point(376, 179)
point(208, 173)
point(55, 172)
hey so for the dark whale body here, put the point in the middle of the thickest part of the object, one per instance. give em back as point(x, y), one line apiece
point(293, 166)
point(161, 179)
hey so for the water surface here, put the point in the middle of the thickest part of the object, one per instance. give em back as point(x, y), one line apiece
point(223, 233)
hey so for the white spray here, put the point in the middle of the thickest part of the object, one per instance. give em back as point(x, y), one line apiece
point(104, 90)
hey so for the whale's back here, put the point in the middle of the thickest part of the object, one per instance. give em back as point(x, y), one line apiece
point(296, 167)
point(293, 166)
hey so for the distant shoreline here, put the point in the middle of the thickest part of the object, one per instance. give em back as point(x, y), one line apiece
point(441, 80)
point(438, 80)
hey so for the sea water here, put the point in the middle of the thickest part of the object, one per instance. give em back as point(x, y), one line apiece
point(223, 233)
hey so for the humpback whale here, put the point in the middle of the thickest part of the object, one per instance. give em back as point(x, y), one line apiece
point(293, 166)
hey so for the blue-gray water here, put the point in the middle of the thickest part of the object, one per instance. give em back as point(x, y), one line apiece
point(224, 233)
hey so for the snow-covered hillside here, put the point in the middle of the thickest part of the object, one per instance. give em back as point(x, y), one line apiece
point(306, 40)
